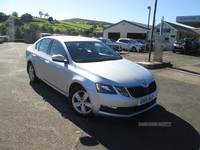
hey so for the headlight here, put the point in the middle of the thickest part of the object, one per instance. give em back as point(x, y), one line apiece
point(122, 91)
point(103, 88)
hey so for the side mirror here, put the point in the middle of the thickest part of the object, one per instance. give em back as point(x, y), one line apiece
point(59, 58)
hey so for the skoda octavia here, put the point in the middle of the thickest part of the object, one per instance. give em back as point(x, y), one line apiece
point(94, 77)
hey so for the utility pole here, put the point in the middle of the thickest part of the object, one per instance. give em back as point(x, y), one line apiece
point(152, 30)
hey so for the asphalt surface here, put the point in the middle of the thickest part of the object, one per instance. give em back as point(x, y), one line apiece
point(35, 116)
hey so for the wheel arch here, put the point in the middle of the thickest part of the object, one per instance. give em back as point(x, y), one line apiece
point(29, 62)
point(75, 84)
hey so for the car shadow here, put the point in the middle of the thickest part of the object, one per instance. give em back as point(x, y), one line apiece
point(194, 54)
point(125, 133)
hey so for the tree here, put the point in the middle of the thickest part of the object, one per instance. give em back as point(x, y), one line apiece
point(43, 28)
point(11, 31)
point(33, 26)
point(41, 14)
point(57, 31)
point(18, 32)
point(26, 17)
point(94, 27)
point(3, 29)
point(50, 19)
point(50, 29)
point(3, 17)
point(13, 20)
point(15, 14)
point(2, 14)
point(46, 15)
point(74, 33)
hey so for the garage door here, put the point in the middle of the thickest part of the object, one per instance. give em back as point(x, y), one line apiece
point(136, 35)
point(114, 35)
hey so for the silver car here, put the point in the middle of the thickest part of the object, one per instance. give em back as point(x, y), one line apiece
point(113, 45)
point(131, 45)
point(94, 77)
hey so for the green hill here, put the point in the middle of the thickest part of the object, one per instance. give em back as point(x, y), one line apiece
point(70, 26)
point(89, 22)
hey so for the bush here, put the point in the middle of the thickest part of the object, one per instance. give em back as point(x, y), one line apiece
point(50, 19)
point(13, 20)
point(26, 17)
point(17, 40)
point(18, 32)
point(33, 26)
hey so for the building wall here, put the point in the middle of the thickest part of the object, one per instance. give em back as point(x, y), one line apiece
point(170, 36)
point(30, 36)
point(123, 28)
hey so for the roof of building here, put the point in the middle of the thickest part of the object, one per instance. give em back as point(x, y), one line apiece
point(180, 28)
point(144, 26)
point(197, 30)
point(176, 27)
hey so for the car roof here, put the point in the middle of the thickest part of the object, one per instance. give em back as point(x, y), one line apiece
point(104, 38)
point(125, 39)
point(70, 38)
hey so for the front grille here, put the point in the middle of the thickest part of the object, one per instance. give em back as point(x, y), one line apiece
point(141, 91)
point(127, 110)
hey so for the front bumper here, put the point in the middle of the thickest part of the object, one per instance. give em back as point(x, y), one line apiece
point(116, 105)
point(178, 47)
point(141, 48)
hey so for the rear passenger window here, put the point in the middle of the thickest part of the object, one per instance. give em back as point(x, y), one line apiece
point(57, 48)
point(44, 45)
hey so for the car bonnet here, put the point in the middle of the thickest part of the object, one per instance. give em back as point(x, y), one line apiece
point(116, 72)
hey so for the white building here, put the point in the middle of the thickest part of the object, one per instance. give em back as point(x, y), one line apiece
point(173, 32)
point(134, 30)
point(126, 29)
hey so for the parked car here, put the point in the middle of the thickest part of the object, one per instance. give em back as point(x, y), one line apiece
point(44, 34)
point(6, 38)
point(145, 43)
point(130, 44)
point(179, 46)
point(1, 39)
point(153, 44)
point(113, 45)
point(94, 77)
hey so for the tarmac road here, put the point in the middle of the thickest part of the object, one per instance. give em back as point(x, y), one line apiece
point(35, 116)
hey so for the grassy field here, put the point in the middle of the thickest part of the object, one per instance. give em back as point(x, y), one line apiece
point(70, 26)
point(63, 25)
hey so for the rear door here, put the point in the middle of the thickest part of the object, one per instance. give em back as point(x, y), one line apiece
point(41, 57)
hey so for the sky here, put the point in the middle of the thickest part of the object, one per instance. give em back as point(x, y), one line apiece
point(112, 11)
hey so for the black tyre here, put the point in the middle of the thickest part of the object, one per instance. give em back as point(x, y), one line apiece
point(31, 73)
point(173, 51)
point(133, 49)
point(80, 102)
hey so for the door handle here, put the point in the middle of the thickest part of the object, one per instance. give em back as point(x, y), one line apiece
point(46, 61)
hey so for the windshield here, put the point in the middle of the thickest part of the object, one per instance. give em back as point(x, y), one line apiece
point(108, 41)
point(133, 41)
point(141, 41)
point(91, 51)
point(181, 41)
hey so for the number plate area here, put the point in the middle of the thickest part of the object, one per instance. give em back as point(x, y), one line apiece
point(146, 100)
